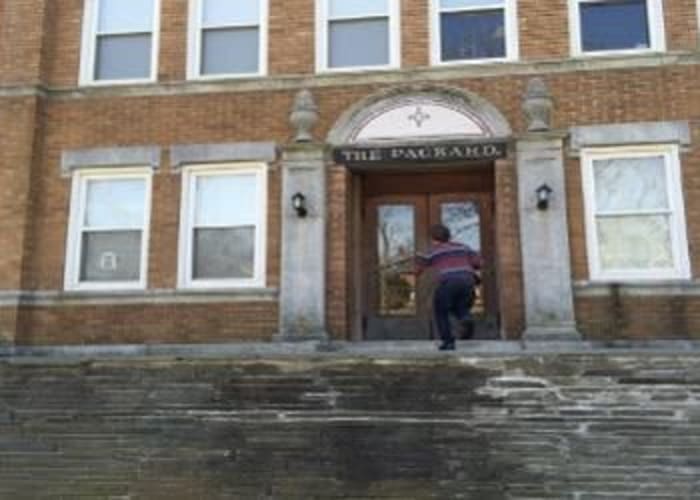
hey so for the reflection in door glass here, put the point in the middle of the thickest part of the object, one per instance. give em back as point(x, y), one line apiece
point(395, 249)
point(464, 222)
point(462, 218)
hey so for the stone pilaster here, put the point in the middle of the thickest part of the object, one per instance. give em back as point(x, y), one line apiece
point(303, 276)
point(544, 237)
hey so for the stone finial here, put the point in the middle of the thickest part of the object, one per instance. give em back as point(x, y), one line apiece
point(537, 105)
point(304, 116)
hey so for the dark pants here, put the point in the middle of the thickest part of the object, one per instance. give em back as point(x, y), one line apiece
point(454, 295)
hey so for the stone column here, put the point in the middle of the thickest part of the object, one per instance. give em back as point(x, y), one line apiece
point(544, 237)
point(303, 276)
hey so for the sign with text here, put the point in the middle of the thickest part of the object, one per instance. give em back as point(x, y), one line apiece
point(420, 153)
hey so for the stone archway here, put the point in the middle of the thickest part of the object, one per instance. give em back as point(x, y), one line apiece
point(419, 113)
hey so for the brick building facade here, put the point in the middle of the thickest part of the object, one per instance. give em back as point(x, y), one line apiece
point(147, 175)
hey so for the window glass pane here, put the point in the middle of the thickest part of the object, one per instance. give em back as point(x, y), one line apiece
point(125, 15)
point(123, 57)
point(473, 35)
point(358, 43)
point(115, 203)
point(223, 12)
point(466, 4)
point(614, 25)
point(630, 184)
point(223, 253)
point(230, 51)
point(226, 200)
point(395, 249)
point(637, 242)
point(111, 256)
point(358, 8)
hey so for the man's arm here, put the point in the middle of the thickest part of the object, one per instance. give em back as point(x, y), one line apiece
point(421, 262)
point(475, 258)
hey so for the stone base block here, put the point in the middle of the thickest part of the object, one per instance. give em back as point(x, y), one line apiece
point(561, 333)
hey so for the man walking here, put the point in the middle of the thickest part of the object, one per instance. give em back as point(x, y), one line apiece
point(455, 265)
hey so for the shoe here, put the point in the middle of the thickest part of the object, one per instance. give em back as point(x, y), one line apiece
point(447, 346)
point(467, 328)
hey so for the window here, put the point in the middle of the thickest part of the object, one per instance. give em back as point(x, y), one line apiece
point(108, 230)
point(635, 221)
point(605, 26)
point(228, 38)
point(362, 34)
point(120, 42)
point(474, 30)
point(223, 226)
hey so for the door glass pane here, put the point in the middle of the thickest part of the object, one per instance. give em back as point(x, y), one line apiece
point(115, 203)
point(227, 12)
point(122, 57)
point(358, 43)
point(463, 221)
point(395, 249)
point(476, 34)
point(111, 256)
point(123, 16)
point(634, 243)
point(224, 253)
point(614, 25)
point(230, 51)
point(630, 184)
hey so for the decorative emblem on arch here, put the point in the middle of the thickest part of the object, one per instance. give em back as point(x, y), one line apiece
point(419, 114)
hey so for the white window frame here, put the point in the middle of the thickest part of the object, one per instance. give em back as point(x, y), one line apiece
point(89, 46)
point(187, 214)
point(510, 21)
point(78, 205)
point(194, 43)
point(657, 32)
point(322, 53)
point(679, 239)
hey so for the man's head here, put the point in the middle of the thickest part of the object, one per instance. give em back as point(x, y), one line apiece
point(440, 233)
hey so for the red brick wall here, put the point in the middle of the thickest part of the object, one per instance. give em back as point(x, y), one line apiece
point(544, 29)
point(227, 117)
point(543, 34)
point(21, 39)
point(627, 317)
point(681, 22)
point(339, 255)
point(509, 260)
point(16, 164)
point(151, 324)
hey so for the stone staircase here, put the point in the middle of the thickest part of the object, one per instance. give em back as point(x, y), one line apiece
point(492, 420)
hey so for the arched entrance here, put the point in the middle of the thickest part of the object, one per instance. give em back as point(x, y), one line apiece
point(418, 156)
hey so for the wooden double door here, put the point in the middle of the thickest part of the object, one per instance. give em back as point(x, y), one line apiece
point(398, 301)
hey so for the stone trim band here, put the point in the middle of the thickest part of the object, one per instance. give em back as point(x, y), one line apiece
point(54, 298)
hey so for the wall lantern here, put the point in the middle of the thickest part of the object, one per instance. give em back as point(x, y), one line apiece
point(544, 194)
point(299, 204)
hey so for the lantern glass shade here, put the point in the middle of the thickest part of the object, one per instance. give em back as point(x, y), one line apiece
point(299, 204)
point(544, 194)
